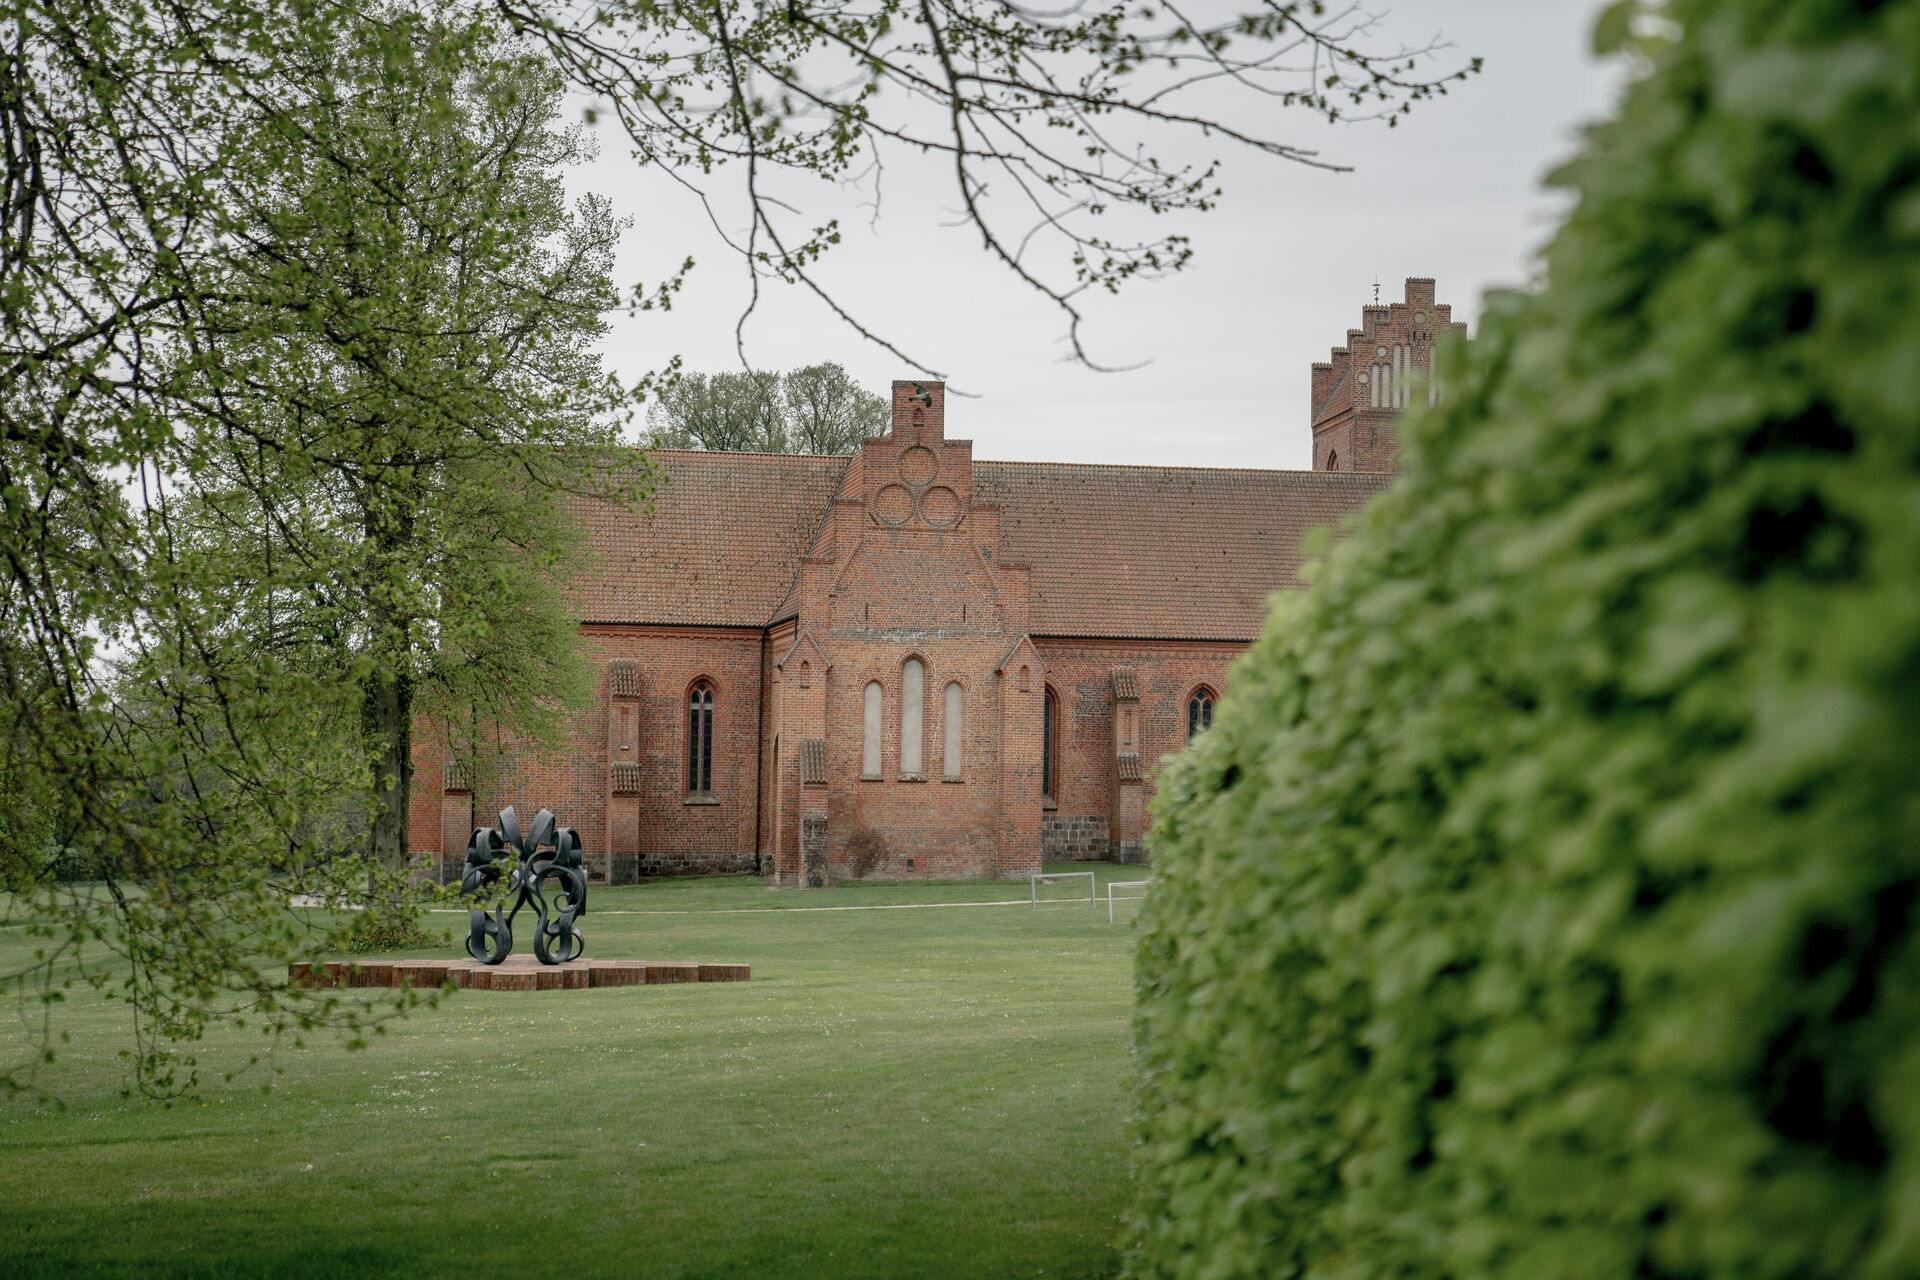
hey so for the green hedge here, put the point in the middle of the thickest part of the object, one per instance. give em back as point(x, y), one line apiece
point(1543, 902)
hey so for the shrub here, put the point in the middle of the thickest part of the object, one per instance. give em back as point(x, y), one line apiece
point(381, 929)
point(1543, 901)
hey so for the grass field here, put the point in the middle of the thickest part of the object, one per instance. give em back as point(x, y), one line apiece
point(937, 1090)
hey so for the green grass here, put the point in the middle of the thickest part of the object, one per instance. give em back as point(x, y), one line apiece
point(922, 1093)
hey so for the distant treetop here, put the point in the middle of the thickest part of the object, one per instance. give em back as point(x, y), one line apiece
point(814, 409)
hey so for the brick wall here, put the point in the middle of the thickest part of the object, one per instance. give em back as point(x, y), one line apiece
point(929, 823)
point(1357, 441)
point(678, 833)
point(1081, 674)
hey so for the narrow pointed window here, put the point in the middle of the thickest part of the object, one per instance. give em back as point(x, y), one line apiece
point(870, 730)
point(1050, 746)
point(700, 738)
point(913, 709)
point(950, 728)
point(1199, 711)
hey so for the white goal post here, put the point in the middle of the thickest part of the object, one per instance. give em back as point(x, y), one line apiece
point(1033, 886)
point(1125, 897)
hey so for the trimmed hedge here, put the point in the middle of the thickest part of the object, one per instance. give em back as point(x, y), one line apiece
point(1545, 901)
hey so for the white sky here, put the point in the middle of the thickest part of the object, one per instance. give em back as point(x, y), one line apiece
point(1282, 266)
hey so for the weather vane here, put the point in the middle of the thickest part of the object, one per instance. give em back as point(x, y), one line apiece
point(1376, 291)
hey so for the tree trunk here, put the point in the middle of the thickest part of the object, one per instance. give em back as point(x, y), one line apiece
point(386, 706)
point(387, 717)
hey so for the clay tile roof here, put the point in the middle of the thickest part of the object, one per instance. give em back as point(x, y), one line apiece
point(1133, 552)
point(1160, 552)
point(1126, 684)
point(813, 761)
point(721, 546)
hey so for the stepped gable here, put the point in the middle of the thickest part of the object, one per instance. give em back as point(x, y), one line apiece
point(720, 547)
point(1385, 368)
point(1161, 552)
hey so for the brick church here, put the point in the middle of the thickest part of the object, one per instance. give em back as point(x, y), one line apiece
point(910, 662)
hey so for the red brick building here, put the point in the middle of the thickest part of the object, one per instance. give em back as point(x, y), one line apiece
point(913, 663)
point(1360, 391)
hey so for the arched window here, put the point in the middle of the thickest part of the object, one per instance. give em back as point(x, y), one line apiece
point(1333, 461)
point(1050, 745)
point(870, 731)
point(1199, 710)
point(700, 738)
point(913, 710)
point(950, 748)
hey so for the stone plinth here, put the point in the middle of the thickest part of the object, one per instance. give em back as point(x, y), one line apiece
point(515, 973)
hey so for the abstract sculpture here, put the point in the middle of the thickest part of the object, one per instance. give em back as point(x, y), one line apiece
point(552, 854)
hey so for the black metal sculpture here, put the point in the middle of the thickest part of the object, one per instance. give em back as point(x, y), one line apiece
point(551, 854)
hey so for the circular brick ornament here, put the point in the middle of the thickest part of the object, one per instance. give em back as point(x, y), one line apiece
point(917, 465)
point(940, 507)
point(893, 504)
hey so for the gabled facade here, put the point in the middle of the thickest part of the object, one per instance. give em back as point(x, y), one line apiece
point(1365, 386)
point(903, 663)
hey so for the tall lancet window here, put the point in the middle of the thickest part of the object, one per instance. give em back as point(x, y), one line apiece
point(700, 738)
point(950, 748)
point(1050, 745)
point(870, 730)
point(1200, 711)
point(913, 710)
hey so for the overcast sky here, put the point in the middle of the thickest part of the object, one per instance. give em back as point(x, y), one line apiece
point(1282, 267)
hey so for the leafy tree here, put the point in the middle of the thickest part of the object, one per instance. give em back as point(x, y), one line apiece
point(1545, 899)
point(814, 409)
point(429, 540)
point(388, 387)
point(828, 412)
point(725, 412)
point(164, 225)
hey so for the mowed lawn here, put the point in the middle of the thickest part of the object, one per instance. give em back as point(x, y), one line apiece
point(926, 1091)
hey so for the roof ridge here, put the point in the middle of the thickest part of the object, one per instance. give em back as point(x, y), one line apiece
point(845, 458)
point(1341, 476)
point(652, 451)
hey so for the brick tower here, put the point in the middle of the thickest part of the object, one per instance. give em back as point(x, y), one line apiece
point(1359, 394)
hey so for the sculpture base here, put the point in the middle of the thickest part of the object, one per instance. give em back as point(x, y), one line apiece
point(515, 973)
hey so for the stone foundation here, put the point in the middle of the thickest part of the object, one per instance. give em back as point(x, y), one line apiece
point(813, 851)
point(695, 864)
point(1073, 839)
